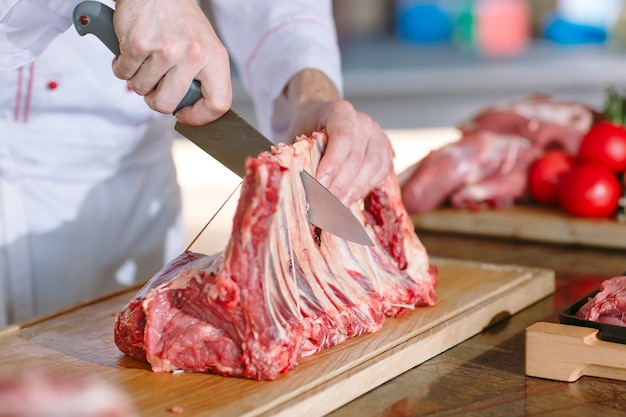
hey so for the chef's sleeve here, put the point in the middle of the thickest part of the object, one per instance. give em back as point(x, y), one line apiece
point(27, 27)
point(270, 41)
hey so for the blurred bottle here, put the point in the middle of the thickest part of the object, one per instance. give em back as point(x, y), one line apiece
point(464, 33)
point(424, 21)
point(503, 27)
point(493, 27)
point(582, 21)
point(361, 19)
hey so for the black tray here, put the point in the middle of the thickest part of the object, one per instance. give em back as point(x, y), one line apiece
point(607, 332)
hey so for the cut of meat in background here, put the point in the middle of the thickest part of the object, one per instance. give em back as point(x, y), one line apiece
point(488, 166)
point(609, 305)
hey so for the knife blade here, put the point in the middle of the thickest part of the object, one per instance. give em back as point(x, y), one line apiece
point(218, 139)
point(231, 139)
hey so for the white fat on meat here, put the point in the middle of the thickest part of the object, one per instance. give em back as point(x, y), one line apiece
point(281, 289)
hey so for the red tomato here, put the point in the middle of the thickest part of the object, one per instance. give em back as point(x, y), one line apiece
point(604, 144)
point(589, 190)
point(544, 175)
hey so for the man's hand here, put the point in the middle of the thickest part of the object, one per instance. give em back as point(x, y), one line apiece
point(358, 154)
point(164, 46)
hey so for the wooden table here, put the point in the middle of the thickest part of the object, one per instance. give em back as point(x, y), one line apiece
point(484, 376)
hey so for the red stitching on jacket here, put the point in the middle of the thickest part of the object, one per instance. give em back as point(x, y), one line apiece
point(29, 93)
point(273, 30)
point(22, 102)
point(18, 94)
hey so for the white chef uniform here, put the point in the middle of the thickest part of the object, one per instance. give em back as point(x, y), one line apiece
point(270, 41)
point(88, 192)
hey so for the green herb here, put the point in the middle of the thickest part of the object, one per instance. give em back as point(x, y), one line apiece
point(615, 106)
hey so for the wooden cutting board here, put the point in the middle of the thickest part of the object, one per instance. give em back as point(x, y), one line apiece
point(529, 223)
point(565, 353)
point(472, 297)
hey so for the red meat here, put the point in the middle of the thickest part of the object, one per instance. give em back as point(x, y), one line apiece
point(609, 305)
point(488, 166)
point(543, 120)
point(472, 171)
point(281, 289)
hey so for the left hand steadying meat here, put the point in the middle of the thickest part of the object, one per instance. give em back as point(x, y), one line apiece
point(358, 155)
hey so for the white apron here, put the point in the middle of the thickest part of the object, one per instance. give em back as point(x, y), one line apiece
point(88, 194)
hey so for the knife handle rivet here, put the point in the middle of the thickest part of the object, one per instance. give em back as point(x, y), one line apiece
point(84, 20)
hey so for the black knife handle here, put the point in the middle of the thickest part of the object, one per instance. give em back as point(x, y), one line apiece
point(97, 18)
point(191, 96)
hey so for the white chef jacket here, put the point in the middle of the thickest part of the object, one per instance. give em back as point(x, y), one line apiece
point(88, 192)
point(270, 41)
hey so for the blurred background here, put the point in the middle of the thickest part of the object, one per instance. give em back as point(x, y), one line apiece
point(421, 67)
point(430, 63)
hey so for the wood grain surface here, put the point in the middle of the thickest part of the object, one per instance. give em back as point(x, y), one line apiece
point(472, 296)
point(530, 223)
point(565, 353)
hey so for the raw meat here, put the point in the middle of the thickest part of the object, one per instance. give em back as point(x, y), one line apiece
point(488, 166)
point(462, 171)
point(543, 120)
point(609, 305)
point(281, 289)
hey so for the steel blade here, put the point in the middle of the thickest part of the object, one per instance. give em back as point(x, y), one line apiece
point(229, 139)
point(330, 214)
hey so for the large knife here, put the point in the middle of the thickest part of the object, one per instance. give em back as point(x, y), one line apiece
point(231, 139)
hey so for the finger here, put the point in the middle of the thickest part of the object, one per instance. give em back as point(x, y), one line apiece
point(377, 165)
point(168, 92)
point(216, 98)
point(125, 65)
point(209, 108)
point(148, 75)
point(372, 170)
point(348, 167)
point(164, 77)
point(133, 52)
point(340, 137)
point(363, 171)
